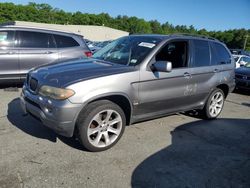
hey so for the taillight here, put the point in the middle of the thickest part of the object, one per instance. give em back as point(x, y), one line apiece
point(88, 54)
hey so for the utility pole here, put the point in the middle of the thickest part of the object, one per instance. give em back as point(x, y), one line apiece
point(245, 43)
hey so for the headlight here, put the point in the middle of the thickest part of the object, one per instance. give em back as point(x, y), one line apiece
point(56, 93)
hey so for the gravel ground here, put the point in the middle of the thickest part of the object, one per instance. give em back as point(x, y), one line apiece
point(175, 151)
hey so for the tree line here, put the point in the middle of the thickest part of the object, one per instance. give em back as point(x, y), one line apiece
point(44, 13)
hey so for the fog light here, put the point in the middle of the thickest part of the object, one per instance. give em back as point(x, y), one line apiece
point(48, 110)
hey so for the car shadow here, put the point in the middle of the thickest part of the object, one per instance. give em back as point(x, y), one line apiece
point(242, 91)
point(205, 154)
point(11, 86)
point(33, 127)
point(246, 104)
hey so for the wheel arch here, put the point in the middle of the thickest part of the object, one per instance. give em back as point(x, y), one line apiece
point(224, 88)
point(120, 99)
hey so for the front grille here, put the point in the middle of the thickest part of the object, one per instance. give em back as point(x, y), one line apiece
point(33, 83)
point(32, 102)
point(239, 76)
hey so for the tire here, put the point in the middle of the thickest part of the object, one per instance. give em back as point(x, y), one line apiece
point(100, 125)
point(214, 104)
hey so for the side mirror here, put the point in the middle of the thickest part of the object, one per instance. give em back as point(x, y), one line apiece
point(162, 66)
point(242, 62)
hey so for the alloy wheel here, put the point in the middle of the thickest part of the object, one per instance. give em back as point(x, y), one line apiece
point(104, 128)
point(216, 104)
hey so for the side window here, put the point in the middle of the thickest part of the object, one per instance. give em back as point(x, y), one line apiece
point(7, 38)
point(35, 40)
point(175, 52)
point(51, 41)
point(65, 42)
point(222, 55)
point(201, 53)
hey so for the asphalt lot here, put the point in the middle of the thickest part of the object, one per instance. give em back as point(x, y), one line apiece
point(175, 151)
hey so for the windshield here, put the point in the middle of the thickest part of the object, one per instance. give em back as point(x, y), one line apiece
point(129, 50)
point(247, 65)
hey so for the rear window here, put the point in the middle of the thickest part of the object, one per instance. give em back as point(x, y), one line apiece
point(221, 55)
point(7, 38)
point(35, 40)
point(65, 42)
point(201, 53)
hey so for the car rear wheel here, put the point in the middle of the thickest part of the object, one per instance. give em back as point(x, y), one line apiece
point(100, 125)
point(214, 104)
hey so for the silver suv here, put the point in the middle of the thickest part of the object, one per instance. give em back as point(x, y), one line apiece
point(132, 79)
point(23, 48)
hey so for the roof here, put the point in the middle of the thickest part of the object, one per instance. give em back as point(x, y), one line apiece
point(236, 55)
point(178, 35)
point(36, 29)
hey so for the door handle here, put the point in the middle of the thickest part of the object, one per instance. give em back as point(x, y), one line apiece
point(216, 70)
point(48, 52)
point(10, 52)
point(187, 75)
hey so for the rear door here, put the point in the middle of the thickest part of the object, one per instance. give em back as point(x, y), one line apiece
point(68, 47)
point(205, 71)
point(35, 49)
point(9, 68)
point(224, 62)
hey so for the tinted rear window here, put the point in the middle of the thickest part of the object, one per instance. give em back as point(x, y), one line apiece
point(30, 39)
point(201, 53)
point(7, 38)
point(221, 55)
point(65, 42)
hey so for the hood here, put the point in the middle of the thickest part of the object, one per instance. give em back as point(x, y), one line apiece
point(67, 73)
point(243, 71)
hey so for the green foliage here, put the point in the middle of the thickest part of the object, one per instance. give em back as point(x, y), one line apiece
point(44, 13)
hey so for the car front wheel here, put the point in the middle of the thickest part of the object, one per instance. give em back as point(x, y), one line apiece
point(100, 125)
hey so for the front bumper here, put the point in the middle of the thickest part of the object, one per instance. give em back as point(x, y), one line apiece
point(243, 83)
point(57, 115)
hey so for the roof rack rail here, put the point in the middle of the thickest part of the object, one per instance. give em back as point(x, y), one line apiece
point(194, 35)
point(7, 24)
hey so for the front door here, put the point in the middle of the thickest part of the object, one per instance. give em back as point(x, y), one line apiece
point(9, 68)
point(165, 92)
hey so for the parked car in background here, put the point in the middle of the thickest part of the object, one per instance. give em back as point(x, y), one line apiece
point(103, 43)
point(241, 60)
point(239, 52)
point(22, 48)
point(92, 46)
point(134, 78)
point(95, 46)
point(242, 76)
